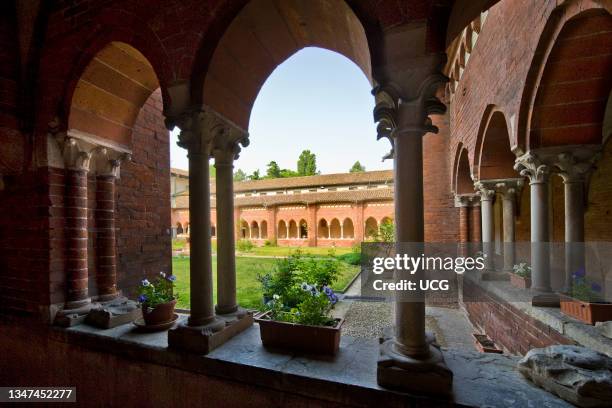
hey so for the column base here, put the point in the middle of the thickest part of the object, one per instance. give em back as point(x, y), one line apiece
point(420, 376)
point(495, 276)
point(546, 300)
point(234, 314)
point(73, 316)
point(204, 339)
point(113, 313)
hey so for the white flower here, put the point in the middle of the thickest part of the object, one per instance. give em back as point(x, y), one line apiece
point(163, 275)
point(275, 297)
point(145, 282)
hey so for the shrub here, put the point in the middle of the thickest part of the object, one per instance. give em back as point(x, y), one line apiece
point(351, 258)
point(271, 242)
point(244, 245)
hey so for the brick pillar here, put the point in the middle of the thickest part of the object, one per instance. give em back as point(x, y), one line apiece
point(106, 275)
point(312, 225)
point(271, 219)
point(464, 221)
point(359, 224)
point(76, 239)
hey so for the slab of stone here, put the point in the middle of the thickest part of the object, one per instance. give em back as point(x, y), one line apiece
point(577, 374)
point(114, 313)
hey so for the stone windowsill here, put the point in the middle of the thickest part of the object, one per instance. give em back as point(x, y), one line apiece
point(583, 334)
point(348, 378)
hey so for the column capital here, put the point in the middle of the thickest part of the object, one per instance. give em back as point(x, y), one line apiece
point(76, 154)
point(534, 167)
point(509, 188)
point(575, 166)
point(485, 190)
point(107, 162)
point(466, 200)
point(203, 129)
point(398, 114)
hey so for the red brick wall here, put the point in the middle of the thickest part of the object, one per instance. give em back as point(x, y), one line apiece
point(143, 200)
point(506, 325)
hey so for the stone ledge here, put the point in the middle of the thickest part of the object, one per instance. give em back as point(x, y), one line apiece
point(348, 378)
point(583, 334)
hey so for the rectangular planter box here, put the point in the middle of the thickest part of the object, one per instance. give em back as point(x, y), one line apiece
point(519, 281)
point(298, 337)
point(586, 311)
point(484, 344)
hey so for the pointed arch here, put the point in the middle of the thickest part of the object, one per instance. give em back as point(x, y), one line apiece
point(348, 230)
point(335, 230)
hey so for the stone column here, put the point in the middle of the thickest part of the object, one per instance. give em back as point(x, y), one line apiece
point(531, 166)
point(574, 167)
point(201, 130)
point(224, 155)
point(408, 359)
point(487, 195)
point(463, 202)
point(509, 190)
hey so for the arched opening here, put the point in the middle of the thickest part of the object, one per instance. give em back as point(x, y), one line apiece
point(571, 97)
point(264, 229)
point(335, 231)
point(348, 231)
point(323, 229)
point(179, 228)
point(254, 230)
point(495, 160)
point(386, 221)
point(293, 229)
point(371, 227)
point(282, 229)
point(245, 231)
point(110, 93)
point(463, 177)
point(213, 231)
point(264, 34)
point(303, 229)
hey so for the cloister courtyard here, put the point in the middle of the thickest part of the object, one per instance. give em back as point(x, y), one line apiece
point(129, 282)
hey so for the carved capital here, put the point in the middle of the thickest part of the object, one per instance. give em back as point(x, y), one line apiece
point(203, 130)
point(574, 169)
point(466, 200)
point(108, 162)
point(509, 188)
point(75, 152)
point(401, 116)
point(484, 190)
point(533, 167)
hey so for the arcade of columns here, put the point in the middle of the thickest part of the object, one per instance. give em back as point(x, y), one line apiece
point(573, 164)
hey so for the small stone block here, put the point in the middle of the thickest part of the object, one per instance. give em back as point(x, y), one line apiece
point(201, 340)
point(114, 313)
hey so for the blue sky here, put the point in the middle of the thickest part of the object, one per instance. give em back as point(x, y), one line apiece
point(317, 100)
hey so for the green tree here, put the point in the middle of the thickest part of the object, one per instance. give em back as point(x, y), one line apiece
point(274, 171)
point(239, 175)
point(212, 171)
point(307, 164)
point(255, 175)
point(357, 168)
point(288, 173)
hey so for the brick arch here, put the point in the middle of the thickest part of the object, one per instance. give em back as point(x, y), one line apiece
point(334, 229)
point(348, 228)
point(303, 229)
point(263, 34)
point(323, 228)
point(110, 92)
point(283, 231)
point(564, 20)
point(371, 227)
point(245, 230)
point(293, 230)
point(255, 232)
point(462, 182)
point(493, 158)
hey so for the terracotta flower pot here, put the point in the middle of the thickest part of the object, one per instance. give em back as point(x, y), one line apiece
point(299, 337)
point(484, 344)
point(586, 311)
point(162, 313)
point(520, 281)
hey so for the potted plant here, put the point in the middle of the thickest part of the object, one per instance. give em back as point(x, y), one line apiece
point(157, 300)
point(484, 344)
point(585, 300)
point(297, 303)
point(521, 278)
point(306, 327)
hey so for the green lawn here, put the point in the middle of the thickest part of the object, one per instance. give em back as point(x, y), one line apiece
point(286, 251)
point(247, 286)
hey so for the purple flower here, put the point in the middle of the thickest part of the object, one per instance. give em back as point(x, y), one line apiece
point(596, 287)
point(580, 273)
point(142, 298)
point(171, 278)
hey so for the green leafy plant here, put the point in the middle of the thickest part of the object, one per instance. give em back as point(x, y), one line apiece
point(160, 290)
point(244, 245)
point(522, 269)
point(271, 242)
point(313, 309)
